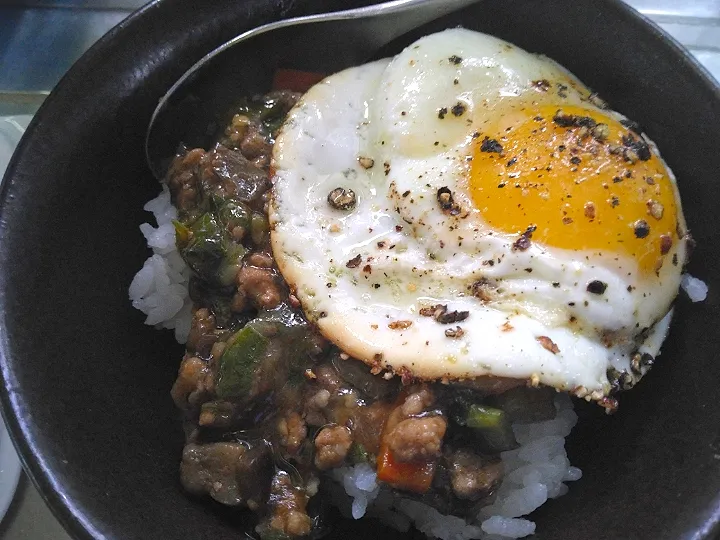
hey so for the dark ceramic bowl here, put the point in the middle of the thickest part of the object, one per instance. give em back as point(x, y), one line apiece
point(86, 384)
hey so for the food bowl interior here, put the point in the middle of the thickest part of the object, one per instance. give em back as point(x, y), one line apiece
point(86, 384)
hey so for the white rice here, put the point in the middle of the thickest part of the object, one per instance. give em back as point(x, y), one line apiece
point(534, 472)
point(695, 288)
point(160, 288)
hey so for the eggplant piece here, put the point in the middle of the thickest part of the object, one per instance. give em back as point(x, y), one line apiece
point(525, 405)
point(358, 375)
point(238, 363)
point(494, 427)
point(202, 246)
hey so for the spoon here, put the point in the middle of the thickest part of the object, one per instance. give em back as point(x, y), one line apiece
point(195, 107)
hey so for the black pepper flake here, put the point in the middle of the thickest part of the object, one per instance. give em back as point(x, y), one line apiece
point(596, 100)
point(342, 199)
point(524, 242)
point(548, 344)
point(596, 287)
point(354, 262)
point(456, 81)
point(631, 125)
point(573, 120)
point(543, 85)
point(367, 269)
point(589, 210)
point(641, 228)
point(567, 220)
point(675, 259)
point(458, 109)
point(446, 201)
point(512, 162)
point(665, 243)
point(376, 285)
point(614, 201)
point(406, 193)
point(491, 145)
point(476, 134)
point(562, 90)
point(398, 228)
point(386, 168)
point(575, 160)
point(556, 284)
point(484, 289)
point(617, 180)
point(366, 162)
point(455, 333)
point(381, 244)
point(635, 147)
point(655, 209)
point(450, 317)
point(600, 132)
point(455, 59)
point(442, 112)
point(440, 313)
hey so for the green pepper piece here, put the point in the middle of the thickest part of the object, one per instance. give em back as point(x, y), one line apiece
point(259, 229)
point(492, 424)
point(233, 214)
point(230, 264)
point(182, 234)
point(357, 454)
point(238, 362)
point(206, 248)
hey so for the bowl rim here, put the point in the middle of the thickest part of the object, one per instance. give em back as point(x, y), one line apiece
point(72, 515)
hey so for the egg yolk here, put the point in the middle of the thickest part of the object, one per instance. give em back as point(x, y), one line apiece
point(576, 179)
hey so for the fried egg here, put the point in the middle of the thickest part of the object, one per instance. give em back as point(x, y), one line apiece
point(468, 209)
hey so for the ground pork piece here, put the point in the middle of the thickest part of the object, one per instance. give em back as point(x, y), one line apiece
point(255, 143)
point(202, 332)
point(183, 181)
point(192, 380)
point(331, 447)
point(328, 378)
point(211, 469)
point(470, 477)
point(417, 439)
point(418, 401)
point(292, 431)
point(288, 503)
point(367, 424)
point(256, 286)
point(315, 401)
point(260, 259)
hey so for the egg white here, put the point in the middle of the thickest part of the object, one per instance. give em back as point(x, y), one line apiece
point(415, 256)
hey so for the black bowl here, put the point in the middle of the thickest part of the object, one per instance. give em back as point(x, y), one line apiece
point(86, 383)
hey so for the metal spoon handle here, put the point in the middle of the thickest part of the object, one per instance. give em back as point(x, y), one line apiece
point(323, 42)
